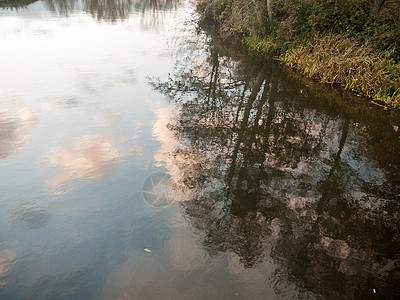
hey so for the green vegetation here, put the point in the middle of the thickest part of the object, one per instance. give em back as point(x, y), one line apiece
point(354, 43)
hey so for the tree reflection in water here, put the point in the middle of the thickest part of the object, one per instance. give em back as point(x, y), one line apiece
point(274, 169)
point(113, 10)
point(17, 4)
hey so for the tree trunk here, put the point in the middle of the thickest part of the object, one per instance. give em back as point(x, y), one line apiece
point(258, 12)
point(270, 8)
point(377, 6)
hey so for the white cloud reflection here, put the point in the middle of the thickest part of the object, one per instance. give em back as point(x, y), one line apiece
point(176, 162)
point(7, 258)
point(88, 157)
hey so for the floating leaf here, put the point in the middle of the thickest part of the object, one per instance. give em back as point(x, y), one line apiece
point(147, 250)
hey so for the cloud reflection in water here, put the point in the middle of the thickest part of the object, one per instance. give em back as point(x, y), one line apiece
point(14, 131)
point(7, 258)
point(89, 157)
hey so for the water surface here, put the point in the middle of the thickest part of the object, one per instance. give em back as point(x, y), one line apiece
point(270, 186)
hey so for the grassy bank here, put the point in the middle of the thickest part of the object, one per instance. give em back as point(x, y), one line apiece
point(353, 43)
point(336, 59)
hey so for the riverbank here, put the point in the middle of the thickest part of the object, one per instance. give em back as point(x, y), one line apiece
point(351, 43)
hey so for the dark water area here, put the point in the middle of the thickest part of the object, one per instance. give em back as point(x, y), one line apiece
point(142, 158)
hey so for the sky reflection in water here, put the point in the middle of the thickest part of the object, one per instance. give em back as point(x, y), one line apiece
point(283, 188)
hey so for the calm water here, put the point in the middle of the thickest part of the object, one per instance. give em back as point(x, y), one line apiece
point(126, 129)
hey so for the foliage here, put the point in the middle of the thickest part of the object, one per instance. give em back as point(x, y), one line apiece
point(333, 41)
point(234, 16)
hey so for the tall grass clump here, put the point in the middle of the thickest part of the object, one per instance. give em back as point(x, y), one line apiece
point(266, 45)
point(335, 59)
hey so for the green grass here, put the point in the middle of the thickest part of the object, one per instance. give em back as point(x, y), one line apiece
point(335, 59)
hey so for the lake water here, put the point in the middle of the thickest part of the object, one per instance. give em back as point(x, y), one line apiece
point(142, 158)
